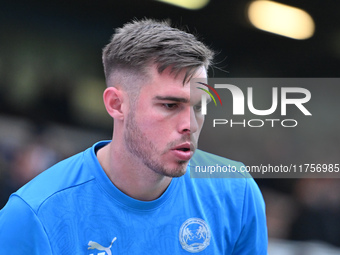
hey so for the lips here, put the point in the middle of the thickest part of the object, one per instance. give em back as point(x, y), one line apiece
point(184, 151)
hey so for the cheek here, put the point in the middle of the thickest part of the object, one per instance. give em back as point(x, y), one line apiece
point(152, 128)
point(200, 121)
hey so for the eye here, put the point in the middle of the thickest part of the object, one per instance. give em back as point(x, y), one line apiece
point(198, 107)
point(170, 106)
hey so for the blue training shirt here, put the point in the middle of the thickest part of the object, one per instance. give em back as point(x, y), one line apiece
point(74, 208)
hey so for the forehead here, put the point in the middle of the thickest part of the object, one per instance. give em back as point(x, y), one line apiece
point(171, 84)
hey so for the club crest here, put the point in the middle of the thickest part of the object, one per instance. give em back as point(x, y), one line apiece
point(194, 235)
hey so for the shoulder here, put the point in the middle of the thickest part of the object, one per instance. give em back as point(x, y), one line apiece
point(223, 177)
point(62, 176)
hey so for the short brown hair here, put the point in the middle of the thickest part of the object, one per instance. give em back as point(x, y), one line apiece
point(139, 44)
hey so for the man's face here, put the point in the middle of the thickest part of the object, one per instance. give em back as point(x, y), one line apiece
point(163, 125)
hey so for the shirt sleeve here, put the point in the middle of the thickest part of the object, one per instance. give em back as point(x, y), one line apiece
point(21, 231)
point(253, 238)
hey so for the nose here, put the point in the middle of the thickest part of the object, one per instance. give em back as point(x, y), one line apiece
point(188, 122)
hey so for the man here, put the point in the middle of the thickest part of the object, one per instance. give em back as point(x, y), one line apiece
point(122, 196)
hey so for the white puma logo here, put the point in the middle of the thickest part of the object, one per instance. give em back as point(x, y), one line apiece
point(94, 245)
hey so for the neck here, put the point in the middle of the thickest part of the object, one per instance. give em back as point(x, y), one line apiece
point(130, 175)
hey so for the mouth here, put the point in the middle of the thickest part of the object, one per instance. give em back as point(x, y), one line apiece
point(187, 146)
point(184, 151)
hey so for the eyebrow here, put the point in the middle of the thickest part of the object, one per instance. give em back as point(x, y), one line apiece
point(171, 98)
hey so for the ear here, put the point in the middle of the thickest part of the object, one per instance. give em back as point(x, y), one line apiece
point(113, 100)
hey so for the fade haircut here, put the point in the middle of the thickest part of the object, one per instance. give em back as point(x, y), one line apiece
point(138, 45)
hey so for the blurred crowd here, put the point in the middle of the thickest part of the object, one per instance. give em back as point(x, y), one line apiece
point(28, 148)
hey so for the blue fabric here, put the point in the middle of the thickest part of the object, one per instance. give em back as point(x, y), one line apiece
point(73, 208)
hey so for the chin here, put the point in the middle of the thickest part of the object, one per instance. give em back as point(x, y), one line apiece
point(179, 171)
point(175, 175)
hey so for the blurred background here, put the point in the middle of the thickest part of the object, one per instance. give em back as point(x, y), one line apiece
point(51, 84)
